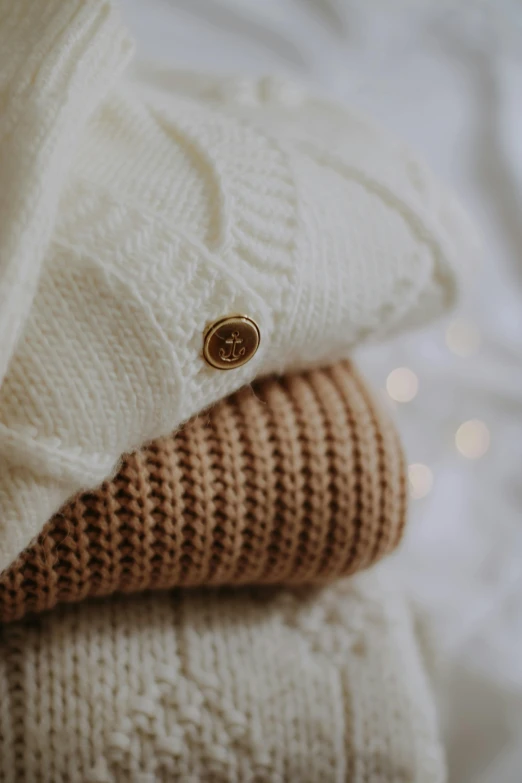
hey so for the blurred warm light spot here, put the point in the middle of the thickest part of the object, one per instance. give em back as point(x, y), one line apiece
point(421, 480)
point(402, 384)
point(462, 338)
point(472, 439)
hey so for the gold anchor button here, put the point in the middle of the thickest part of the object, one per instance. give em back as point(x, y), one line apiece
point(230, 342)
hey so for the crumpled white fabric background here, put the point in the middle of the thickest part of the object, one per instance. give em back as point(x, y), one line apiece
point(447, 77)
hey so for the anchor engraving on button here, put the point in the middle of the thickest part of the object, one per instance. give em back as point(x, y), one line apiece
point(232, 356)
point(230, 342)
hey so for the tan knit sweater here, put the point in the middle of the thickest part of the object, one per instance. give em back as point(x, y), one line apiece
point(300, 479)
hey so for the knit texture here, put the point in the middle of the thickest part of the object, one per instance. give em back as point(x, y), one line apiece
point(137, 215)
point(263, 685)
point(300, 479)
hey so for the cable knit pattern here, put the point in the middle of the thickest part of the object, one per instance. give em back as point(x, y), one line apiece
point(258, 685)
point(297, 480)
point(137, 215)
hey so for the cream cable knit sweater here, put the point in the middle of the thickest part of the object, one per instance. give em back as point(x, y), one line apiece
point(131, 217)
point(259, 686)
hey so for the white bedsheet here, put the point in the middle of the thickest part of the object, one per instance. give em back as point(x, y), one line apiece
point(447, 76)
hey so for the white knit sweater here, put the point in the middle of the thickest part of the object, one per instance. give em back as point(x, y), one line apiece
point(246, 687)
point(131, 216)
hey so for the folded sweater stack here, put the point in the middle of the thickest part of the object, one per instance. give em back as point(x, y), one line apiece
point(136, 213)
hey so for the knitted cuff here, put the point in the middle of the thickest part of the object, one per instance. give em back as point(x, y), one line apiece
point(300, 479)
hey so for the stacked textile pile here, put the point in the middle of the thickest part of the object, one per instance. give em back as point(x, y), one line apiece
point(163, 245)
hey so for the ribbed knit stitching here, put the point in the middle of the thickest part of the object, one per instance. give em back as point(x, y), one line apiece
point(300, 479)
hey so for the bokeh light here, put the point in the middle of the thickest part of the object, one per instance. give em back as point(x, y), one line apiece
point(462, 338)
point(472, 439)
point(421, 480)
point(402, 384)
